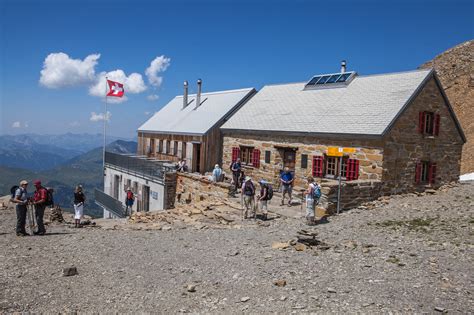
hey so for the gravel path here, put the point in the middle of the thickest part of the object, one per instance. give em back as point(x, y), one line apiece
point(408, 254)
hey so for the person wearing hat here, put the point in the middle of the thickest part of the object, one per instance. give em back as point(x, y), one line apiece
point(216, 173)
point(286, 179)
point(39, 201)
point(79, 199)
point(248, 193)
point(21, 200)
point(129, 200)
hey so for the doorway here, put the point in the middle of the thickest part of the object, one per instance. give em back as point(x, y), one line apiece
point(146, 198)
point(196, 157)
point(289, 158)
point(116, 186)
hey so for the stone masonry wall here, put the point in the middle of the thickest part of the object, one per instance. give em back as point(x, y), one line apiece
point(194, 187)
point(368, 152)
point(404, 146)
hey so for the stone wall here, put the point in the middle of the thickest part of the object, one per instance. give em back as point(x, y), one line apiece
point(404, 146)
point(368, 152)
point(194, 187)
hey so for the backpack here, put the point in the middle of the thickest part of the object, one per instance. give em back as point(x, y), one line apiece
point(49, 197)
point(129, 195)
point(269, 192)
point(13, 190)
point(249, 189)
point(316, 191)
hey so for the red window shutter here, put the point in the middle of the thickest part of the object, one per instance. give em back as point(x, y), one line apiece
point(432, 173)
point(349, 169)
point(352, 169)
point(418, 172)
point(256, 158)
point(317, 166)
point(356, 169)
point(436, 125)
point(421, 122)
point(235, 153)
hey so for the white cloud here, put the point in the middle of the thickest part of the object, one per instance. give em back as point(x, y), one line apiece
point(59, 70)
point(16, 124)
point(152, 97)
point(100, 116)
point(133, 84)
point(159, 64)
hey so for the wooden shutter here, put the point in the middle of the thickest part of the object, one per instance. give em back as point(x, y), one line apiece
point(352, 169)
point(256, 158)
point(418, 172)
point(421, 122)
point(436, 125)
point(235, 153)
point(432, 173)
point(317, 166)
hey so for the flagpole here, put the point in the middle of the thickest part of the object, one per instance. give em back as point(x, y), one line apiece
point(105, 128)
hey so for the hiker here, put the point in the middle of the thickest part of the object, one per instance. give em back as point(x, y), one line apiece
point(248, 194)
point(313, 193)
point(217, 174)
point(286, 179)
point(19, 197)
point(79, 199)
point(182, 167)
point(40, 199)
point(129, 199)
point(236, 168)
point(266, 193)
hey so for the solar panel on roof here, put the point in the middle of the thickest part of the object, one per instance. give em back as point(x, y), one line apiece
point(333, 78)
point(323, 79)
point(314, 80)
point(329, 79)
point(344, 77)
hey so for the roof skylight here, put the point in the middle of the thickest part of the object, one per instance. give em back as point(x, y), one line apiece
point(330, 79)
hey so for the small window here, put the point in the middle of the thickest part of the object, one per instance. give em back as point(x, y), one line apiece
point(175, 148)
point(246, 155)
point(304, 161)
point(183, 148)
point(332, 167)
point(429, 123)
point(159, 147)
point(267, 156)
point(425, 167)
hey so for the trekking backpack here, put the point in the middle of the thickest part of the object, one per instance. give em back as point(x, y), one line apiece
point(13, 191)
point(316, 191)
point(49, 197)
point(249, 189)
point(269, 192)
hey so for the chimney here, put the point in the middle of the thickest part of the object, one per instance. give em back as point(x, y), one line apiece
point(185, 95)
point(198, 95)
point(343, 66)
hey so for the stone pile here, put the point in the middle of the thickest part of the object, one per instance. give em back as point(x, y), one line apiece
point(56, 215)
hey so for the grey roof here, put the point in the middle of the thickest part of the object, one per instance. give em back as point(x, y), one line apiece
point(215, 106)
point(368, 105)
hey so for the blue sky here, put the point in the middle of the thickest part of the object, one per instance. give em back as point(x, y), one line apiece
point(229, 44)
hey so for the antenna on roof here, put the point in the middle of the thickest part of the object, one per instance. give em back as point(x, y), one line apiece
point(198, 95)
point(185, 95)
point(343, 66)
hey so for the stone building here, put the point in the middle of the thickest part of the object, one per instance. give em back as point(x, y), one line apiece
point(188, 127)
point(400, 126)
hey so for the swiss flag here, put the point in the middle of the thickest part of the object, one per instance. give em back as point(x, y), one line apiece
point(115, 89)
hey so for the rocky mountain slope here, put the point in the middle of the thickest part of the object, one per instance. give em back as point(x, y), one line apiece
point(455, 68)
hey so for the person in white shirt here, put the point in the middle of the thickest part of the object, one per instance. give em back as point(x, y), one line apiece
point(216, 174)
point(311, 200)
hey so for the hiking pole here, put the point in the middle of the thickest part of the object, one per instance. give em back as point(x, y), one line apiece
point(31, 217)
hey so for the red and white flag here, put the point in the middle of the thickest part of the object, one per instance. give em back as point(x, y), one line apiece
point(115, 89)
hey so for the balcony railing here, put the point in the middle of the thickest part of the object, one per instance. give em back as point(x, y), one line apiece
point(109, 203)
point(139, 166)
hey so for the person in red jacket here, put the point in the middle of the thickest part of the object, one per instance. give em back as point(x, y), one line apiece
point(39, 201)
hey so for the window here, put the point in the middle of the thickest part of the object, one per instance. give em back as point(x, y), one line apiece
point(428, 123)
point(159, 148)
point(267, 156)
point(304, 161)
point(425, 172)
point(168, 145)
point(331, 166)
point(289, 157)
point(183, 148)
point(175, 148)
point(246, 155)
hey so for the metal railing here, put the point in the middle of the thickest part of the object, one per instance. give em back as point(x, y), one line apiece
point(140, 166)
point(109, 203)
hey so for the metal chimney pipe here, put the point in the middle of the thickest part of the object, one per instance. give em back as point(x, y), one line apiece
point(198, 95)
point(185, 95)
point(343, 66)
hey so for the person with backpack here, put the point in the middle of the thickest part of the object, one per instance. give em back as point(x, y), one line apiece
point(79, 199)
point(129, 200)
point(236, 168)
point(19, 196)
point(248, 193)
point(286, 179)
point(266, 193)
point(40, 201)
point(313, 193)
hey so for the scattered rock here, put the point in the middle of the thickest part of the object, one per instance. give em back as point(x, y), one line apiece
point(331, 290)
point(440, 309)
point(279, 245)
point(191, 288)
point(300, 247)
point(244, 299)
point(69, 271)
point(279, 283)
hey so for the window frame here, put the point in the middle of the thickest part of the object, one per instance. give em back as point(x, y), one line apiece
point(246, 155)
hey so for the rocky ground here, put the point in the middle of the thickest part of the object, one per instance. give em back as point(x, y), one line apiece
point(408, 254)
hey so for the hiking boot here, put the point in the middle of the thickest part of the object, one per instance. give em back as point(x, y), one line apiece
point(265, 217)
point(22, 234)
point(39, 233)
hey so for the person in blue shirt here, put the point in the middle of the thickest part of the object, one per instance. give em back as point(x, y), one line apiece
point(217, 174)
point(236, 169)
point(286, 179)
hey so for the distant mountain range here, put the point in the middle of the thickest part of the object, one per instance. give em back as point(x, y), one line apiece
point(42, 152)
point(84, 169)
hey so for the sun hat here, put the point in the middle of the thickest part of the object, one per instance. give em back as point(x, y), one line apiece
point(23, 182)
point(247, 178)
